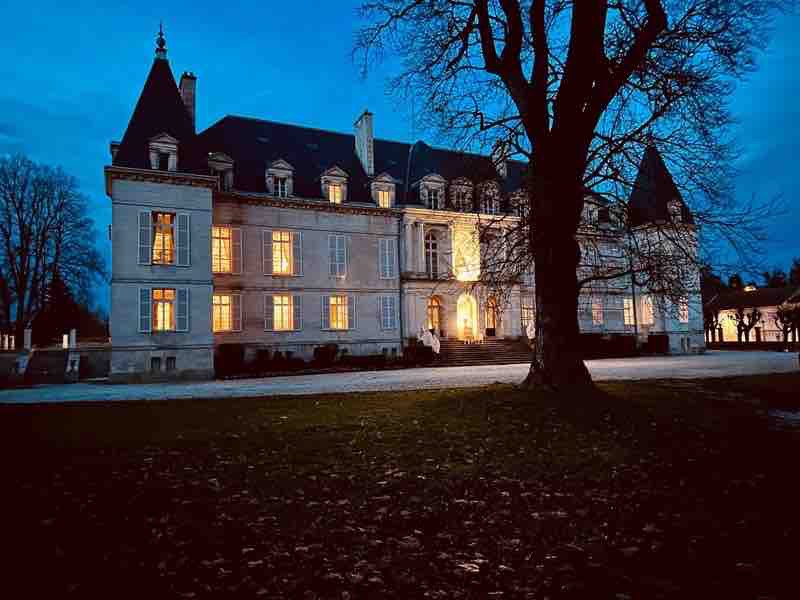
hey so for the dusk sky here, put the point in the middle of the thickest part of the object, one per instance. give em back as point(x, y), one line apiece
point(73, 72)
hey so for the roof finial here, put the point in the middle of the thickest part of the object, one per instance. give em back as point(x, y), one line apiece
point(161, 43)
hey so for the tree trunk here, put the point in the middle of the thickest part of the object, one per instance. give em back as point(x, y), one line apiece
point(557, 361)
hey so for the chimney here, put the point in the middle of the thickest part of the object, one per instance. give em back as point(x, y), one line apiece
point(365, 142)
point(114, 148)
point(187, 86)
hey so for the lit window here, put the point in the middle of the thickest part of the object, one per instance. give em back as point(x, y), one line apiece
point(335, 193)
point(628, 311)
point(221, 250)
point(384, 199)
point(282, 253)
point(282, 313)
point(647, 311)
point(280, 187)
point(683, 311)
point(432, 256)
point(434, 314)
point(338, 312)
point(597, 311)
point(222, 312)
point(163, 309)
point(163, 238)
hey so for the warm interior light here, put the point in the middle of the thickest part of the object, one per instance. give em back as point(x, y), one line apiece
point(466, 254)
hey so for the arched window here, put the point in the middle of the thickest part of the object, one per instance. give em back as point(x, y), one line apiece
point(432, 255)
point(434, 314)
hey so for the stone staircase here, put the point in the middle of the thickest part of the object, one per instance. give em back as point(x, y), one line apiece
point(455, 353)
point(47, 366)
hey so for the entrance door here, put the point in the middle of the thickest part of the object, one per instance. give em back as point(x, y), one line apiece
point(758, 335)
point(435, 316)
point(467, 311)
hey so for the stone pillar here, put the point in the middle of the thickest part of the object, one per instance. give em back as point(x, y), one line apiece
point(408, 248)
point(5, 341)
point(28, 339)
point(65, 341)
point(73, 338)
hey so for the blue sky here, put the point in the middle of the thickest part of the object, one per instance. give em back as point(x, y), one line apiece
point(73, 72)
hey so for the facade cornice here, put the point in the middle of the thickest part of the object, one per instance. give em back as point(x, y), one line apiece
point(154, 176)
point(297, 203)
point(448, 216)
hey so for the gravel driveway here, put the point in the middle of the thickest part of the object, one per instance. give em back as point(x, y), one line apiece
point(711, 364)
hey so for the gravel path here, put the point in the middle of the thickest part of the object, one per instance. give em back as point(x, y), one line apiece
point(711, 364)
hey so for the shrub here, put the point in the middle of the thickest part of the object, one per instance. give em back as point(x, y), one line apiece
point(229, 360)
point(325, 356)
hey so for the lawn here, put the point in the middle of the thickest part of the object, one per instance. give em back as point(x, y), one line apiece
point(668, 489)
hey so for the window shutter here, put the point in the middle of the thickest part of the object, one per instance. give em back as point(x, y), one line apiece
point(266, 251)
point(297, 316)
point(183, 240)
point(182, 312)
point(391, 246)
point(332, 270)
point(269, 313)
point(145, 237)
point(236, 309)
point(326, 312)
point(351, 312)
point(382, 258)
point(236, 249)
point(394, 312)
point(145, 310)
point(347, 256)
point(297, 253)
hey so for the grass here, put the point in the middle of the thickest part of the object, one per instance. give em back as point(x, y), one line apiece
point(645, 489)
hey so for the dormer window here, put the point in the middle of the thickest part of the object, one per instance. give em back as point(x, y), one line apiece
point(163, 149)
point(280, 179)
point(461, 195)
point(383, 190)
point(334, 185)
point(432, 198)
point(431, 191)
point(221, 165)
point(490, 199)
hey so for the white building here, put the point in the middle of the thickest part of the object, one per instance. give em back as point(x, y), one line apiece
point(285, 237)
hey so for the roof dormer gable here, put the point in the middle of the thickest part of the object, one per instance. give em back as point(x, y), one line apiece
point(335, 172)
point(280, 165)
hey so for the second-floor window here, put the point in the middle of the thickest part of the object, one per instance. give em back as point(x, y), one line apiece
point(432, 255)
point(386, 258)
point(337, 255)
point(335, 193)
point(282, 253)
point(163, 238)
point(226, 249)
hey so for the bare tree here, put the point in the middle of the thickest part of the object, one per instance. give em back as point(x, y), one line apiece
point(711, 321)
point(579, 90)
point(44, 230)
point(745, 321)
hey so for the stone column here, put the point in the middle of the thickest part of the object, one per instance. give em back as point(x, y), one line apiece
point(73, 338)
point(28, 339)
point(408, 248)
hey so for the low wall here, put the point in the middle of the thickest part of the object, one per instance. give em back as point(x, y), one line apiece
point(770, 346)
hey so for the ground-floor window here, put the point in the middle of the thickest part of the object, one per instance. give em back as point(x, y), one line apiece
point(163, 309)
point(598, 316)
point(434, 314)
point(282, 313)
point(628, 311)
point(338, 312)
point(226, 312)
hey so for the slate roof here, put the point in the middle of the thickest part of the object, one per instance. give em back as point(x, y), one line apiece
point(160, 109)
point(253, 144)
point(756, 298)
point(653, 191)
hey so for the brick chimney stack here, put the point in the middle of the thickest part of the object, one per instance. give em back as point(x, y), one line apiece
point(187, 86)
point(365, 142)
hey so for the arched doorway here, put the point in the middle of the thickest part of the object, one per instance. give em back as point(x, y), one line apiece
point(467, 310)
point(434, 323)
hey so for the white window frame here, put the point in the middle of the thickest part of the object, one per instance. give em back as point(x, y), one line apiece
point(235, 318)
point(387, 312)
point(387, 258)
point(338, 255)
point(235, 239)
